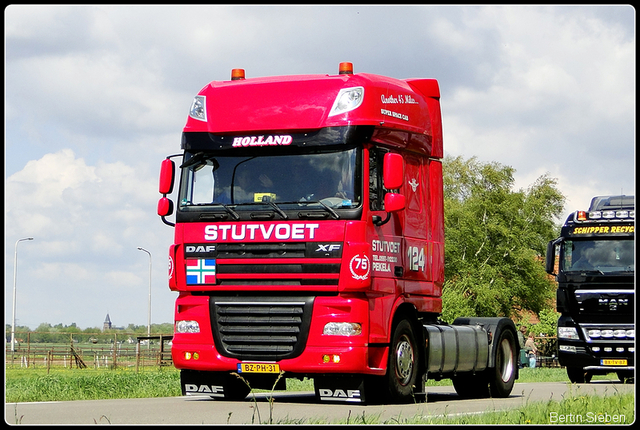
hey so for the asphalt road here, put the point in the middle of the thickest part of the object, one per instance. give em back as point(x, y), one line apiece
point(300, 407)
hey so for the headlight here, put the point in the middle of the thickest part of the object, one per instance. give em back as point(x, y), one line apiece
point(187, 327)
point(568, 333)
point(594, 333)
point(198, 108)
point(342, 329)
point(347, 100)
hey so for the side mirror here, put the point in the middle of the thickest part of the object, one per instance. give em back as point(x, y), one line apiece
point(165, 207)
point(394, 202)
point(393, 171)
point(392, 179)
point(550, 258)
point(167, 176)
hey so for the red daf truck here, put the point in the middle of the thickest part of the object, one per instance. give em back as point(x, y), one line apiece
point(309, 242)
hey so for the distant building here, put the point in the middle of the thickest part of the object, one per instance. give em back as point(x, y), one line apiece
point(107, 323)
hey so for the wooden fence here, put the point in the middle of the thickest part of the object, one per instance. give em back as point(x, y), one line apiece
point(113, 350)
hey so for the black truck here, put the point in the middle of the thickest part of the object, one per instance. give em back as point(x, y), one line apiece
point(596, 289)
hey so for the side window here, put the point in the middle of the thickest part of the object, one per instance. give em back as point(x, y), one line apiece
point(376, 188)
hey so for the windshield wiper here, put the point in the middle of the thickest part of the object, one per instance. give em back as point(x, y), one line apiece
point(329, 209)
point(230, 211)
point(278, 210)
point(585, 271)
point(333, 213)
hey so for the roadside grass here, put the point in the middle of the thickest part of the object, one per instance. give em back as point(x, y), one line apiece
point(573, 409)
point(36, 385)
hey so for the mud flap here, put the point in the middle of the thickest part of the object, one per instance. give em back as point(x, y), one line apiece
point(340, 388)
point(195, 383)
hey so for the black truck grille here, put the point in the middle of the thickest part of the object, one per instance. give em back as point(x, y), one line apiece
point(296, 263)
point(268, 328)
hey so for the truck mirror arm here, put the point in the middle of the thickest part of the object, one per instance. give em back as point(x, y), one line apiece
point(170, 224)
point(377, 219)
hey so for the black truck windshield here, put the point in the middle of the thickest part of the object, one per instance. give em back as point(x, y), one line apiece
point(604, 256)
point(326, 180)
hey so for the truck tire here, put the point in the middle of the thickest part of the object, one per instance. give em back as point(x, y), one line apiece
point(503, 376)
point(576, 375)
point(235, 388)
point(625, 376)
point(402, 371)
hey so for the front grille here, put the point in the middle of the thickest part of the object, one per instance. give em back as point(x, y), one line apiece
point(270, 328)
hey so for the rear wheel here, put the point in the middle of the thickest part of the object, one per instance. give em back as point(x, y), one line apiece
point(503, 376)
point(402, 370)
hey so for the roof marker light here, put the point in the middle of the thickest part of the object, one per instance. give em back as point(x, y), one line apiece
point(345, 68)
point(237, 74)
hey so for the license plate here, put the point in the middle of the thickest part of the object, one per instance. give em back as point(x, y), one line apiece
point(613, 362)
point(258, 368)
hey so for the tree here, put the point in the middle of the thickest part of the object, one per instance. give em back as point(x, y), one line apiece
point(495, 240)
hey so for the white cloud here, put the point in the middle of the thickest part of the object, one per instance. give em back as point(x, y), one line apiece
point(42, 182)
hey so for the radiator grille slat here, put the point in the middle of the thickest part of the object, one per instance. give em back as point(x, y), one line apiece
point(266, 330)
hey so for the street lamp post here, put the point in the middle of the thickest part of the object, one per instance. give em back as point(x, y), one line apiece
point(15, 277)
point(149, 313)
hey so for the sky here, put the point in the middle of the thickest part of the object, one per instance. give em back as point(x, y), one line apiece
point(97, 96)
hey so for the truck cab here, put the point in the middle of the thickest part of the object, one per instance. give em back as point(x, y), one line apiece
point(596, 289)
point(309, 241)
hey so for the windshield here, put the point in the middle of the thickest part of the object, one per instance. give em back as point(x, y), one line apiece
point(325, 180)
point(605, 256)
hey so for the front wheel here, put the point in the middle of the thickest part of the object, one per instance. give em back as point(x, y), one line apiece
point(402, 371)
point(503, 376)
point(625, 376)
point(577, 375)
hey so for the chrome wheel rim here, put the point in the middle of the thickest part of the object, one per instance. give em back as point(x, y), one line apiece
point(404, 360)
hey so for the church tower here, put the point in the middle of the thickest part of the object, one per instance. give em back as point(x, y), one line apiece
point(107, 323)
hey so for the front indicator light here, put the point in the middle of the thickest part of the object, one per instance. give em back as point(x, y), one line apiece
point(333, 358)
point(342, 329)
